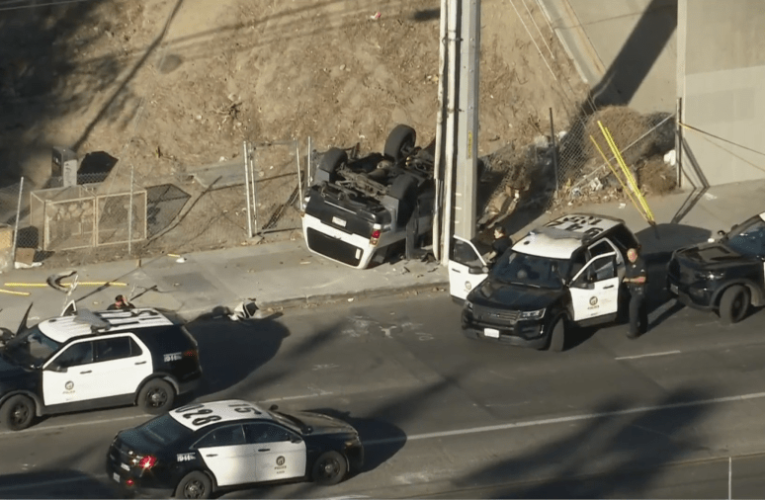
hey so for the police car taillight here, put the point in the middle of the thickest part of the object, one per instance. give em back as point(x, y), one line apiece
point(375, 237)
point(191, 353)
point(147, 462)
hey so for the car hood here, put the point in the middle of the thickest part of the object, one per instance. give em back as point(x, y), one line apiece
point(324, 424)
point(716, 254)
point(10, 370)
point(516, 297)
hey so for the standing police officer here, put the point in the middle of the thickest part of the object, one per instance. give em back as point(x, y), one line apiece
point(635, 278)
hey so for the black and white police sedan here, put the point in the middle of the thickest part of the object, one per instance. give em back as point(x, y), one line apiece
point(96, 360)
point(202, 448)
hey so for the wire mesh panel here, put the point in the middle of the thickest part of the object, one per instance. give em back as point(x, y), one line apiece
point(114, 212)
point(276, 180)
point(69, 224)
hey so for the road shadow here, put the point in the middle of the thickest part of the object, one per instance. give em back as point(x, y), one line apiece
point(381, 439)
point(604, 449)
point(231, 351)
point(55, 483)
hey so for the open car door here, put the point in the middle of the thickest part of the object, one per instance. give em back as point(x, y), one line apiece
point(467, 268)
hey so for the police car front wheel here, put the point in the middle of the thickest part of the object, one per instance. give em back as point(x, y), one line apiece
point(156, 397)
point(329, 468)
point(17, 413)
point(194, 485)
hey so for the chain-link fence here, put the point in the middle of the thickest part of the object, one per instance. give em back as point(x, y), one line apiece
point(276, 185)
point(130, 212)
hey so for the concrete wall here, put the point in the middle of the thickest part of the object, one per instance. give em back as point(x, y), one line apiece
point(721, 78)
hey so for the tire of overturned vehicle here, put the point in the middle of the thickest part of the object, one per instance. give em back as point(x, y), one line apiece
point(400, 142)
point(332, 160)
point(734, 304)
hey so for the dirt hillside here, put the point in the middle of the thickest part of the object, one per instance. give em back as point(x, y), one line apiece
point(170, 84)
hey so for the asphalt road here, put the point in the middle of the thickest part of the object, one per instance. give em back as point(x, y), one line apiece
point(448, 417)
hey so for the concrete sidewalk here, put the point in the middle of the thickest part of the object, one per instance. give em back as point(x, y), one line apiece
point(282, 275)
point(278, 275)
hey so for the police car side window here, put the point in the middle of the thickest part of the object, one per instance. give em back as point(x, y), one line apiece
point(116, 348)
point(75, 355)
point(266, 433)
point(230, 435)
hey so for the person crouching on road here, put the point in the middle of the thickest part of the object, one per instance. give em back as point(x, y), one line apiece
point(636, 277)
point(120, 304)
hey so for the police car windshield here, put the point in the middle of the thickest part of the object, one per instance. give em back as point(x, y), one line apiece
point(165, 430)
point(290, 421)
point(31, 347)
point(749, 240)
point(515, 268)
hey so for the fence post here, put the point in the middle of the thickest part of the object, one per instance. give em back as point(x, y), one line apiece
point(130, 212)
point(247, 190)
point(679, 143)
point(299, 176)
point(254, 190)
point(554, 150)
point(16, 227)
point(309, 167)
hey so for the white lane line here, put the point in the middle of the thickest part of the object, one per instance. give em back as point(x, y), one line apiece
point(73, 424)
point(302, 396)
point(562, 420)
point(654, 354)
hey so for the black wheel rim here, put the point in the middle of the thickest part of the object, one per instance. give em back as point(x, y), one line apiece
point(738, 305)
point(194, 489)
point(156, 397)
point(329, 468)
point(19, 414)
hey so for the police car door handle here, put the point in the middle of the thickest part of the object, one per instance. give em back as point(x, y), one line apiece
point(265, 449)
point(141, 362)
point(87, 371)
point(212, 455)
point(607, 287)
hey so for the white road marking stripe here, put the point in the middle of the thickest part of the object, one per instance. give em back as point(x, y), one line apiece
point(665, 353)
point(561, 420)
point(74, 424)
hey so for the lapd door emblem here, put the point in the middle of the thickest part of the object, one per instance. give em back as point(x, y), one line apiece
point(69, 386)
point(593, 301)
point(280, 461)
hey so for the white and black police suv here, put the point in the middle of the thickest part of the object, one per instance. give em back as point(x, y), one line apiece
point(96, 360)
point(205, 448)
point(566, 273)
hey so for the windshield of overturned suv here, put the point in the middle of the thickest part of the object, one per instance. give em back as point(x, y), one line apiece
point(748, 241)
point(30, 348)
point(515, 268)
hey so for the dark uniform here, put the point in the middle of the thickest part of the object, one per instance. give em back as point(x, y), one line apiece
point(501, 245)
point(638, 313)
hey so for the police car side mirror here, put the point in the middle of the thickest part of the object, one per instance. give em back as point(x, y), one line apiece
point(720, 233)
point(57, 368)
point(273, 408)
point(485, 269)
point(296, 440)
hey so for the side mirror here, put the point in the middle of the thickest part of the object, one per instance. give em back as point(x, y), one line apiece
point(720, 233)
point(296, 440)
point(58, 368)
point(273, 408)
point(485, 269)
point(477, 270)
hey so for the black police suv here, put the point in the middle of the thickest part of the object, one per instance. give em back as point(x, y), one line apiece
point(726, 276)
point(96, 360)
point(201, 449)
point(564, 274)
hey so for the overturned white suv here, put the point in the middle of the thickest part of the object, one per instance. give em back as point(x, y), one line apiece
point(566, 273)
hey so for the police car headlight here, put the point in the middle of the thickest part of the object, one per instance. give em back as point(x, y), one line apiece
point(533, 314)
